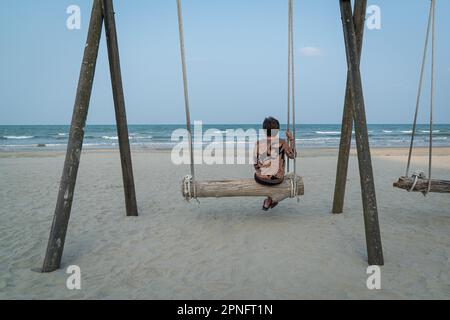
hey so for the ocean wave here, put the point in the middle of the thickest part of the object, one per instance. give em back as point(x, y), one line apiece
point(51, 145)
point(428, 131)
point(328, 132)
point(17, 137)
point(317, 139)
point(387, 131)
point(439, 138)
point(116, 137)
point(110, 137)
point(8, 146)
point(99, 144)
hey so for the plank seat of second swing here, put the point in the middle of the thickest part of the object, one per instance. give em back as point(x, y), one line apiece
point(438, 186)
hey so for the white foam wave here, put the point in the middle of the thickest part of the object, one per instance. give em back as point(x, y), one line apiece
point(318, 139)
point(110, 137)
point(115, 137)
point(328, 132)
point(18, 137)
point(428, 131)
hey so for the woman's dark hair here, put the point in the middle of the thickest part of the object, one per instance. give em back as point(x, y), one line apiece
point(270, 124)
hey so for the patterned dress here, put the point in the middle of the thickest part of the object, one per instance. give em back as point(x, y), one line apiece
point(270, 160)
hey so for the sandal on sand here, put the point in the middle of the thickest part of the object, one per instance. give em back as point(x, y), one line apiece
point(273, 205)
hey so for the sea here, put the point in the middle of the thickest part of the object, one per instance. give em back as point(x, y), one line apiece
point(46, 137)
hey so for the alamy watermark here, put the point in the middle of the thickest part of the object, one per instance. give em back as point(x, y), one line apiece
point(373, 19)
point(374, 280)
point(73, 281)
point(73, 21)
point(230, 146)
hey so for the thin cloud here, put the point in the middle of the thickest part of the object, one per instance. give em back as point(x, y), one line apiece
point(311, 52)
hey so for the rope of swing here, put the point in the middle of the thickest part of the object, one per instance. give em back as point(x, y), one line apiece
point(430, 27)
point(291, 83)
point(291, 107)
point(189, 180)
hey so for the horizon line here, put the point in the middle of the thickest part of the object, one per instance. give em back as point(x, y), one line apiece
point(183, 124)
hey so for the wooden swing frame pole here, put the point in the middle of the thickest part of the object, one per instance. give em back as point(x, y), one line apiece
point(58, 231)
point(63, 208)
point(359, 15)
point(119, 106)
point(372, 229)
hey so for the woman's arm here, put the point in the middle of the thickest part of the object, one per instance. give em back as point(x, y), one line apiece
point(289, 150)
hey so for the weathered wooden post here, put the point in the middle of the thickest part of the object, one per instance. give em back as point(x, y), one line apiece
point(100, 9)
point(359, 15)
point(69, 176)
point(373, 238)
point(119, 104)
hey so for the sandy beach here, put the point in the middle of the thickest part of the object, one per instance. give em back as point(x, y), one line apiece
point(219, 249)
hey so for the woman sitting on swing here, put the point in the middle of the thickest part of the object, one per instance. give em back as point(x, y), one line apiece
point(270, 158)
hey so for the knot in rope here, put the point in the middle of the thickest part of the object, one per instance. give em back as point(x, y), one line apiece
point(189, 190)
point(416, 176)
point(293, 190)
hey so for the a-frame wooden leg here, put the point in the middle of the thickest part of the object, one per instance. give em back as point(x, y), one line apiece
point(101, 9)
point(119, 104)
point(359, 14)
point(69, 176)
point(373, 238)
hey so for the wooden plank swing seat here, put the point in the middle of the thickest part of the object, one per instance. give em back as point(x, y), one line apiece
point(291, 187)
point(421, 185)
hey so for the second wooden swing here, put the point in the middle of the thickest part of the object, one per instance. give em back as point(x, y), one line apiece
point(418, 181)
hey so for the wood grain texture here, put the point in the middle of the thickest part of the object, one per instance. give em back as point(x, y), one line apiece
point(438, 186)
point(245, 188)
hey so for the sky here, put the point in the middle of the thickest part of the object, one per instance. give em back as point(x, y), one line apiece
point(237, 61)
